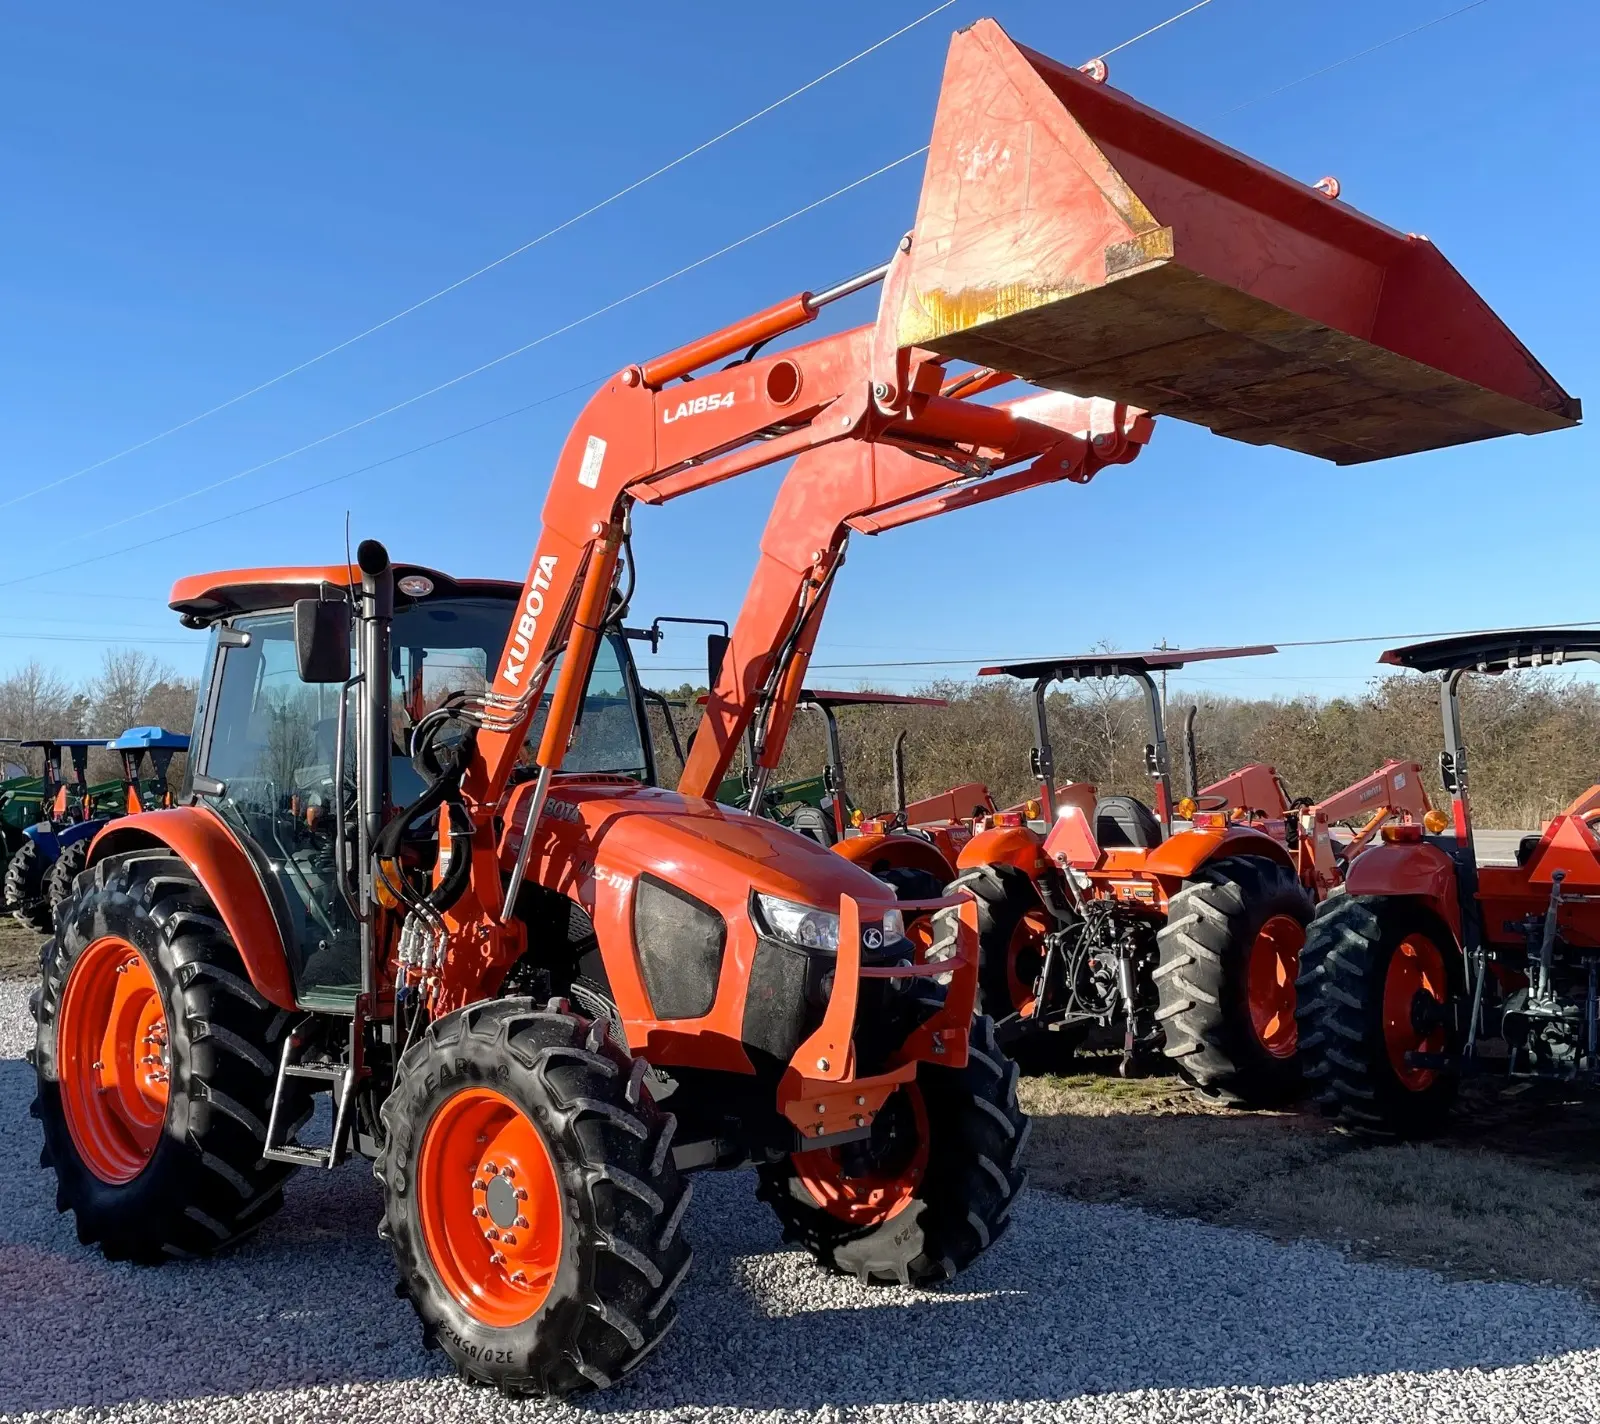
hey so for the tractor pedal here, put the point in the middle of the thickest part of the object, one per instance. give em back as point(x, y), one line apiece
point(301, 1156)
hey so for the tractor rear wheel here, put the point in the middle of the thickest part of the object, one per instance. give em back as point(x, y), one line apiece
point(1012, 925)
point(25, 887)
point(156, 1060)
point(1380, 984)
point(530, 1198)
point(1230, 953)
point(928, 1192)
point(58, 881)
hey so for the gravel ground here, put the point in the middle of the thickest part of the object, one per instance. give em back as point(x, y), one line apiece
point(1083, 1312)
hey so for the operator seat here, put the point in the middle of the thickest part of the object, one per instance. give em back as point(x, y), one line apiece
point(1124, 823)
point(810, 821)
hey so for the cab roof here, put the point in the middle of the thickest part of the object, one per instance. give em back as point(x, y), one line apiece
point(65, 742)
point(149, 739)
point(1499, 651)
point(1095, 665)
point(204, 598)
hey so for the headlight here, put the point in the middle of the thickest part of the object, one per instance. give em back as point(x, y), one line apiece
point(804, 925)
point(894, 926)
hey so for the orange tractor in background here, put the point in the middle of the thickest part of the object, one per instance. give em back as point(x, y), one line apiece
point(1434, 964)
point(538, 990)
point(1391, 795)
point(1180, 941)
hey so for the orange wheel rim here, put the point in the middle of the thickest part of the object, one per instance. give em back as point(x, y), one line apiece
point(113, 1059)
point(1024, 960)
point(490, 1206)
point(1269, 981)
point(1416, 967)
point(866, 1184)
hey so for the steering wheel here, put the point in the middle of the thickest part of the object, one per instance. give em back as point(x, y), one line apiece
point(1211, 803)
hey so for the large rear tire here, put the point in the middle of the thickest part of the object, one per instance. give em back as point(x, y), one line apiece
point(156, 1060)
point(25, 887)
point(1230, 953)
point(1381, 979)
point(1012, 925)
point(58, 881)
point(530, 1198)
point(933, 1188)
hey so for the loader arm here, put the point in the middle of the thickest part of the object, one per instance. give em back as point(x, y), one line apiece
point(868, 488)
point(1394, 789)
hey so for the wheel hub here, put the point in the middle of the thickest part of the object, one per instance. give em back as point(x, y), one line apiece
point(490, 1206)
point(113, 1059)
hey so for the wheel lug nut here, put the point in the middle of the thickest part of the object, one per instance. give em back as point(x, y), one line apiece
point(493, 1233)
point(519, 1278)
point(480, 1211)
point(508, 1172)
point(489, 1169)
point(521, 1223)
point(497, 1258)
point(509, 1239)
point(521, 1194)
point(480, 1186)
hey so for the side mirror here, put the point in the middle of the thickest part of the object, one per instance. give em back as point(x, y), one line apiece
point(1151, 763)
point(1447, 774)
point(322, 640)
point(716, 650)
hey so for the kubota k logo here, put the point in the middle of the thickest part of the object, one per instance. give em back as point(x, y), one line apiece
point(698, 406)
point(872, 939)
point(528, 624)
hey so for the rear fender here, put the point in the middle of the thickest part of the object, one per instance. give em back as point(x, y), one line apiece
point(1182, 854)
point(888, 850)
point(1423, 872)
point(1008, 845)
point(198, 837)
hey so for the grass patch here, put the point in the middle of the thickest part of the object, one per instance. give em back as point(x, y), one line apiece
point(1509, 1193)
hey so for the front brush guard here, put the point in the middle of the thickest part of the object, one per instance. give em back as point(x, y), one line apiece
point(819, 1092)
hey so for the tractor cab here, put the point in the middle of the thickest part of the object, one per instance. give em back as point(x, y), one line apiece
point(267, 739)
point(1117, 822)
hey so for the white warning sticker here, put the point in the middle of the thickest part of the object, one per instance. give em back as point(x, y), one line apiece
point(594, 454)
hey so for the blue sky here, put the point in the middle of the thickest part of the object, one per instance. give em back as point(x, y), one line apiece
point(200, 197)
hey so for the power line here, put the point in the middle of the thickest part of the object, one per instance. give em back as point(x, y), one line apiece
point(417, 306)
point(498, 360)
point(1350, 58)
point(1145, 34)
point(305, 489)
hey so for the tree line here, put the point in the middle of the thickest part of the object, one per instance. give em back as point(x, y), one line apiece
point(1533, 740)
point(1533, 737)
point(131, 689)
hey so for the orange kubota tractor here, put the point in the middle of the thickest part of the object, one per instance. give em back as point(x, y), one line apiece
point(1433, 964)
point(537, 989)
point(1392, 794)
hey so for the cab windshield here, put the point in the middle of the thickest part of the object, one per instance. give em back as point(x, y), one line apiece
point(271, 741)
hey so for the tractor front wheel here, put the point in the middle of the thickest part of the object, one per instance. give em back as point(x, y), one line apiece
point(1380, 988)
point(156, 1060)
point(530, 1198)
point(928, 1192)
point(26, 872)
point(1229, 956)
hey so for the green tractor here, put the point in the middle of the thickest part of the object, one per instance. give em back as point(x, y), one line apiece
point(21, 797)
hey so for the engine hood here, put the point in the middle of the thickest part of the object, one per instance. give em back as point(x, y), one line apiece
point(594, 828)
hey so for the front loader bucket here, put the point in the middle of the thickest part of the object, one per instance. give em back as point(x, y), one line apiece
point(1070, 235)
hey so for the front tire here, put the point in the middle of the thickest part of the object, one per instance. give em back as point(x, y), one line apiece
point(1381, 981)
point(929, 1193)
point(156, 1060)
point(58, 882)
point(1230, 954)
point(25, 887)
point(532, 1123)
